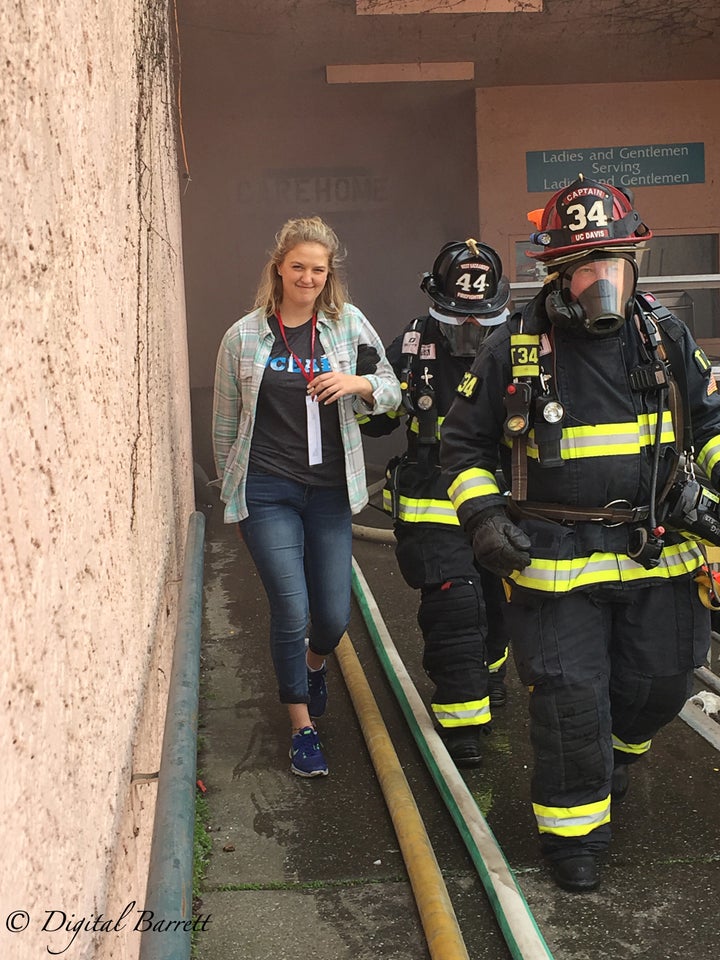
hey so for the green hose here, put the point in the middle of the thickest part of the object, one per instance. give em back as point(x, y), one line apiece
point(516, 921)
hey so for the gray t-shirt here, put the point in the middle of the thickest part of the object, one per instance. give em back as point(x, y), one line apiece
point(280, 441)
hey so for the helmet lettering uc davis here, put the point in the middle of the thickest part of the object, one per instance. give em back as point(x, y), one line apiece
point(583, 216)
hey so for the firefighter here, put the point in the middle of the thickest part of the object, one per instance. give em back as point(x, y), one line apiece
point(607, 416)
point(460, 610)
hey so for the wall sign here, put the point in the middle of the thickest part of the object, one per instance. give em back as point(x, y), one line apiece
point(319, 190)
point(648, 165)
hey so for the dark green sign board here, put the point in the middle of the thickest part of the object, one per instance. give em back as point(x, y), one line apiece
point(648, 165)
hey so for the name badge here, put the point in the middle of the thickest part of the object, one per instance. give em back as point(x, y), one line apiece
point(411, 341)
point(314, 436)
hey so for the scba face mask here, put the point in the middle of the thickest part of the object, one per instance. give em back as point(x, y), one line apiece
point(465, 334)
point(595, 295)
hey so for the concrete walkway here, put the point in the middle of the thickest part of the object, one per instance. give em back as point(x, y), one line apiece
point(312, 869)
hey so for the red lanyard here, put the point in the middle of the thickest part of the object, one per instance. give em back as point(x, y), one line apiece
point(308, 376)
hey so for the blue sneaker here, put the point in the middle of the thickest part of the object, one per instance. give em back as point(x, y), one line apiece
point(317, 690)
point(306, 755)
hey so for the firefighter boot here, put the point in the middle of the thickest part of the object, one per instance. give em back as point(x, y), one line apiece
point(463, 745)
point(620, 781)
point(497, 691)
point(578, 874)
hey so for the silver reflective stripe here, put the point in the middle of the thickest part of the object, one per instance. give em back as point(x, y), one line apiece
point(422, 511)
point(609, 439)
point(472, 483)
point(560, 576)
point(467, 717)
point(573, 824)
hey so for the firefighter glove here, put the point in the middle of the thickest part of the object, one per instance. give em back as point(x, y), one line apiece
point(499, 545)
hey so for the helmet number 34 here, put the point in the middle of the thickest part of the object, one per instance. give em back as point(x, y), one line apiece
point(581, 218)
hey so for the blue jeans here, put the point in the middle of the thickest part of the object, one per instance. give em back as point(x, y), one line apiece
point(300, 539)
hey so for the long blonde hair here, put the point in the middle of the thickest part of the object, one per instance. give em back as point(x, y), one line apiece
point(334, 294)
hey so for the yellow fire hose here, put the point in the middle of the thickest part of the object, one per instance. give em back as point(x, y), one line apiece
point(438, 918)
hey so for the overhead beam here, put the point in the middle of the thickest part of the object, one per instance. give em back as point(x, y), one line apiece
point(398, 72)
point(399, 7)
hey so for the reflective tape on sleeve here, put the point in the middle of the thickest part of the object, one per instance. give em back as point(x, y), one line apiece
point(471, 484)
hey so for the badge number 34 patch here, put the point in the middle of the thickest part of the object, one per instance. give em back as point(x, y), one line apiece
point(468, 385)
point(521, 355)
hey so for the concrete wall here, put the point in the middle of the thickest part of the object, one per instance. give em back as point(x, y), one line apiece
point(95, 476)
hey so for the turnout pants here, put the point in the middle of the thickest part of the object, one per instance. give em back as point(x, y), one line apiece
point(607, 668)
point(460, 616)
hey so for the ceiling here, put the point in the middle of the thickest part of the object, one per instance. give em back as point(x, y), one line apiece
point(582, 41)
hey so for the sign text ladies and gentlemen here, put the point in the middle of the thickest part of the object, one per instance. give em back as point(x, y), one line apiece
point(647, 165)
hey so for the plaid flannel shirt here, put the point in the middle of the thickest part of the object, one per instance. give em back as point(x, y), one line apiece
point(241, 361)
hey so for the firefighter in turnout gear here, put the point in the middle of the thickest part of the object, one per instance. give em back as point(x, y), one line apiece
point(608, 420)
point(461, 605)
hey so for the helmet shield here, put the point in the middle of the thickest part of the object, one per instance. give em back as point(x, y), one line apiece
point(596, 293)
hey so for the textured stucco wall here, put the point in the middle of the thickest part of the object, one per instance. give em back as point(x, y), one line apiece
point(95, 462)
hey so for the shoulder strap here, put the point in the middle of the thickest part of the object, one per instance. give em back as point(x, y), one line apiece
point(411, 349)
point(419, 401)
point(658, 313)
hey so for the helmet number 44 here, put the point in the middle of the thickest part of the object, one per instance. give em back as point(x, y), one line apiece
point(466, 283)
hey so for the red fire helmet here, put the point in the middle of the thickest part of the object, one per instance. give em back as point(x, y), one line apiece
point(584, 216)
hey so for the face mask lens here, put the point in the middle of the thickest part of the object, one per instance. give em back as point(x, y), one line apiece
point(463, 338)
point(603, 287)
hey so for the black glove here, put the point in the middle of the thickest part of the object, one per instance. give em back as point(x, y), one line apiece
point(367, 359)
point(498, 544)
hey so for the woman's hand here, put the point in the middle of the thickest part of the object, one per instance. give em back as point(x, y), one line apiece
point(329, 387)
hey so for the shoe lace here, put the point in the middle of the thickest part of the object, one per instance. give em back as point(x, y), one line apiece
point(306, 742)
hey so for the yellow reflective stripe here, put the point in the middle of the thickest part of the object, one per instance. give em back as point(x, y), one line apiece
point(496, 664)
point(709, 456)
point(607, 439)
point(415, 428)
point(470, 714)
point(594, 440)
point(701, 360)
point(648, 422)
point(637, 749)
point(572, 821)
point(390, 414)
point(472, 483)
point(561, 576)
point(422, 511)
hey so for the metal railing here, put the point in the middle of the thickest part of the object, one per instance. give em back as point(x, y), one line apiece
point(706, 281)
point(168, 902)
